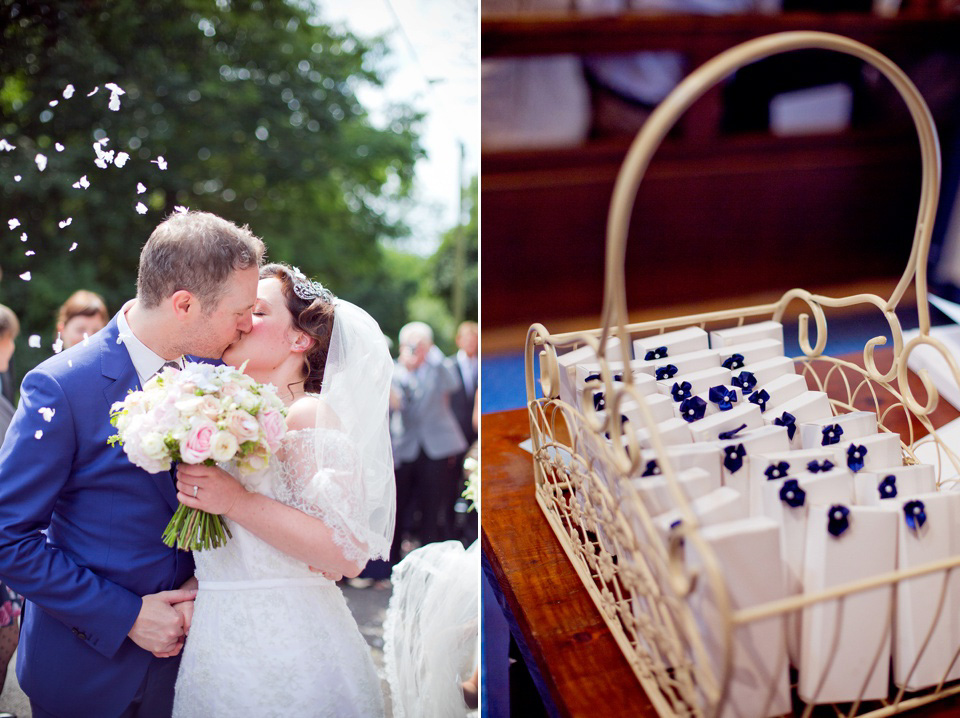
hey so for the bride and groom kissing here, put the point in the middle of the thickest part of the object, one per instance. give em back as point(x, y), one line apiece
point(116, 623)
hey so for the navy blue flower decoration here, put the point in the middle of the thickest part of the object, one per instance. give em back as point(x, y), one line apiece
point(777, 471)
point(745, 380)
point(681, 391)
point(623, 420)
point(733, 362)
point(693, 409)
point(666, 372)
point(855, 456)
point(816, 466)
point(760, 398)
point(598, 401)
point(914, 515)
point(652, 469)
point(791, 494)
point(658, 353)
point(888, 487)
point(831, 434)
point(788, 420)
point(722, 397)
point(838, 519)
point(732, 434)
point(593, 377)
point(733, 458)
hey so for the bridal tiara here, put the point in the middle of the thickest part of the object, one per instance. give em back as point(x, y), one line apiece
point(307, 289)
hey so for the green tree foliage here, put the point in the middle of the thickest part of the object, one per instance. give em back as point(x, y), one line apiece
point(253, 106)
point(443, 264)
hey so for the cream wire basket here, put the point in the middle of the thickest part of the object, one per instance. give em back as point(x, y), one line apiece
point(637, 580)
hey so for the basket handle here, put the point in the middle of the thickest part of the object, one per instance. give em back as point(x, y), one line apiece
point(697, 83)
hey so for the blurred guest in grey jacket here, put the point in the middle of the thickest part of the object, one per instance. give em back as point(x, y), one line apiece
point(427, 440)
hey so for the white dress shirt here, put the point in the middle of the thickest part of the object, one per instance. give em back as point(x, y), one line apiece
point(146, 361)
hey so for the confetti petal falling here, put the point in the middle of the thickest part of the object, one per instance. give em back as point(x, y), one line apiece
point(68, 92)
point(140, 188)
point(160, 162)
point(38, 435)
point(41, 160)
point(13, 223)
point(73, 246)
point(6, 146)
point(47, 413)
point(81, 183)
point(25, 276)
point(34, 341)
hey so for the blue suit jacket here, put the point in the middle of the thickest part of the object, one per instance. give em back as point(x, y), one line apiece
point(104, 519)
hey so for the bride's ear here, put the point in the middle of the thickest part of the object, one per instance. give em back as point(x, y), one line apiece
point(302, 342)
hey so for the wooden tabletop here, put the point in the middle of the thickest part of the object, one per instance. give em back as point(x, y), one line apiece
point(573, 657)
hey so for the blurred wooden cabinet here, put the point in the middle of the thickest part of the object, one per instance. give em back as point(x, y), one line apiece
point(722, 210)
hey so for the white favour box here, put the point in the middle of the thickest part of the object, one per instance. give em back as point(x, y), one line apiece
point(655, 493)
point(675, 367)
point(827, 487)
point(700, 382)
point(643, 383)
point(672, 432)
point(782, 464)
point(769, 369)
point(720, 505)
point(683, 456)
point(872, 452)
point(710, 407)
point(854, 425)
point(709, 428)
point(681, 341)
point(748, 558)
point(845, 647)
point(873, 486)
point(779, 391)
point(804, 408)
point(749, 353)
point(661, 409)
point(747, 333)
point(568, 367)
point(918, 598)
point(736, 453)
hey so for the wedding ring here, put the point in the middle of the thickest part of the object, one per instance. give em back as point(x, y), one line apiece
point(195, 490)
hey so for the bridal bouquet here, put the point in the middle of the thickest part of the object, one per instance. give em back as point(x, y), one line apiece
point(201, 414)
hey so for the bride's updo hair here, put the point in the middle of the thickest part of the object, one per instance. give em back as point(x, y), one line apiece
point(311, 307)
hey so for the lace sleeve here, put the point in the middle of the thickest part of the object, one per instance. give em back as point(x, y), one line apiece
point(318, 472)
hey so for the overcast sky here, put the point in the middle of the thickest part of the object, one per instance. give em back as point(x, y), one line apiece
point(434, 67)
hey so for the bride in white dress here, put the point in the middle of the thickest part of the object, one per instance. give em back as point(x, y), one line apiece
point(271, 633)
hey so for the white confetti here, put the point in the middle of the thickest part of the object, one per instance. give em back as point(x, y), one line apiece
point(115, 93)
point(17, 178)
point(13, 223)
point(86, 339)
point(114, 103)
point(93, 91)
point(6, 146)
point(160, 162)
point(58, 147)
point(141, 208)
point(70, 362)
point(41, 160)
point(47, 413)
point(103, 141)
point(101, 163)
point(38, 435)
point(58, 345)
point(25, 276)
point(54, 103)
point(81, 183)
point(140, 188)
point(29, 253)
point(34, 341)
point(73, 246)
point(68, 92)
point(23, 237)
point(114, 88)
point(121, 160)
point(66, 223)
point(180, 208)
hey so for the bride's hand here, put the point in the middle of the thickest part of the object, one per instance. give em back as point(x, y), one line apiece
point(208, 488)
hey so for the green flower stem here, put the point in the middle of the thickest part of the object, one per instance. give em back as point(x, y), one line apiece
point(194, 530)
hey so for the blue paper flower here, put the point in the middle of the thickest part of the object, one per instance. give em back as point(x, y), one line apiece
point(733, 457)
point(788, 420)
point(745, 380)
point(914, 515)
point(777, 471)
point(666, 372)
point(722, 397)
point(681, 391)
point(693, 409)
point(815, 466)
point(831, 434)
point(791, 494)
point(652, 469)
point(888, 487)
point(760, 398)
point(658, 353)
point(855, 456)
point(733, 362)
point(838, 519)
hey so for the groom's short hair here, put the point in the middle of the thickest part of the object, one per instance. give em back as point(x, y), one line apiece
point(195, 251)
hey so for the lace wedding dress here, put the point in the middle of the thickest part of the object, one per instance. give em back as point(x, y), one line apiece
point(270, 637)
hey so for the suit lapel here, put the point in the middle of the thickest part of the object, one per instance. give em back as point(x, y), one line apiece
point(116, 366)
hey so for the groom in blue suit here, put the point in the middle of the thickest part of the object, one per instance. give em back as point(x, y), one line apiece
point(108, 604)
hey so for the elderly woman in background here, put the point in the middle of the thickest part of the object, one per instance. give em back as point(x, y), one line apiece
point(82, 315)
point(10, 602)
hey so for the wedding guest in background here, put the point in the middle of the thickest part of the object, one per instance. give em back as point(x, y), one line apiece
point(10, 602)
point(83, 314)
point(464, 365)
point(427, 440)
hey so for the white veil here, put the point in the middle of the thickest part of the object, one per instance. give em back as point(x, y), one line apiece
point(356, 387)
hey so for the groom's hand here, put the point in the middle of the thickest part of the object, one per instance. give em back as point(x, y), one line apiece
point(159, 626)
